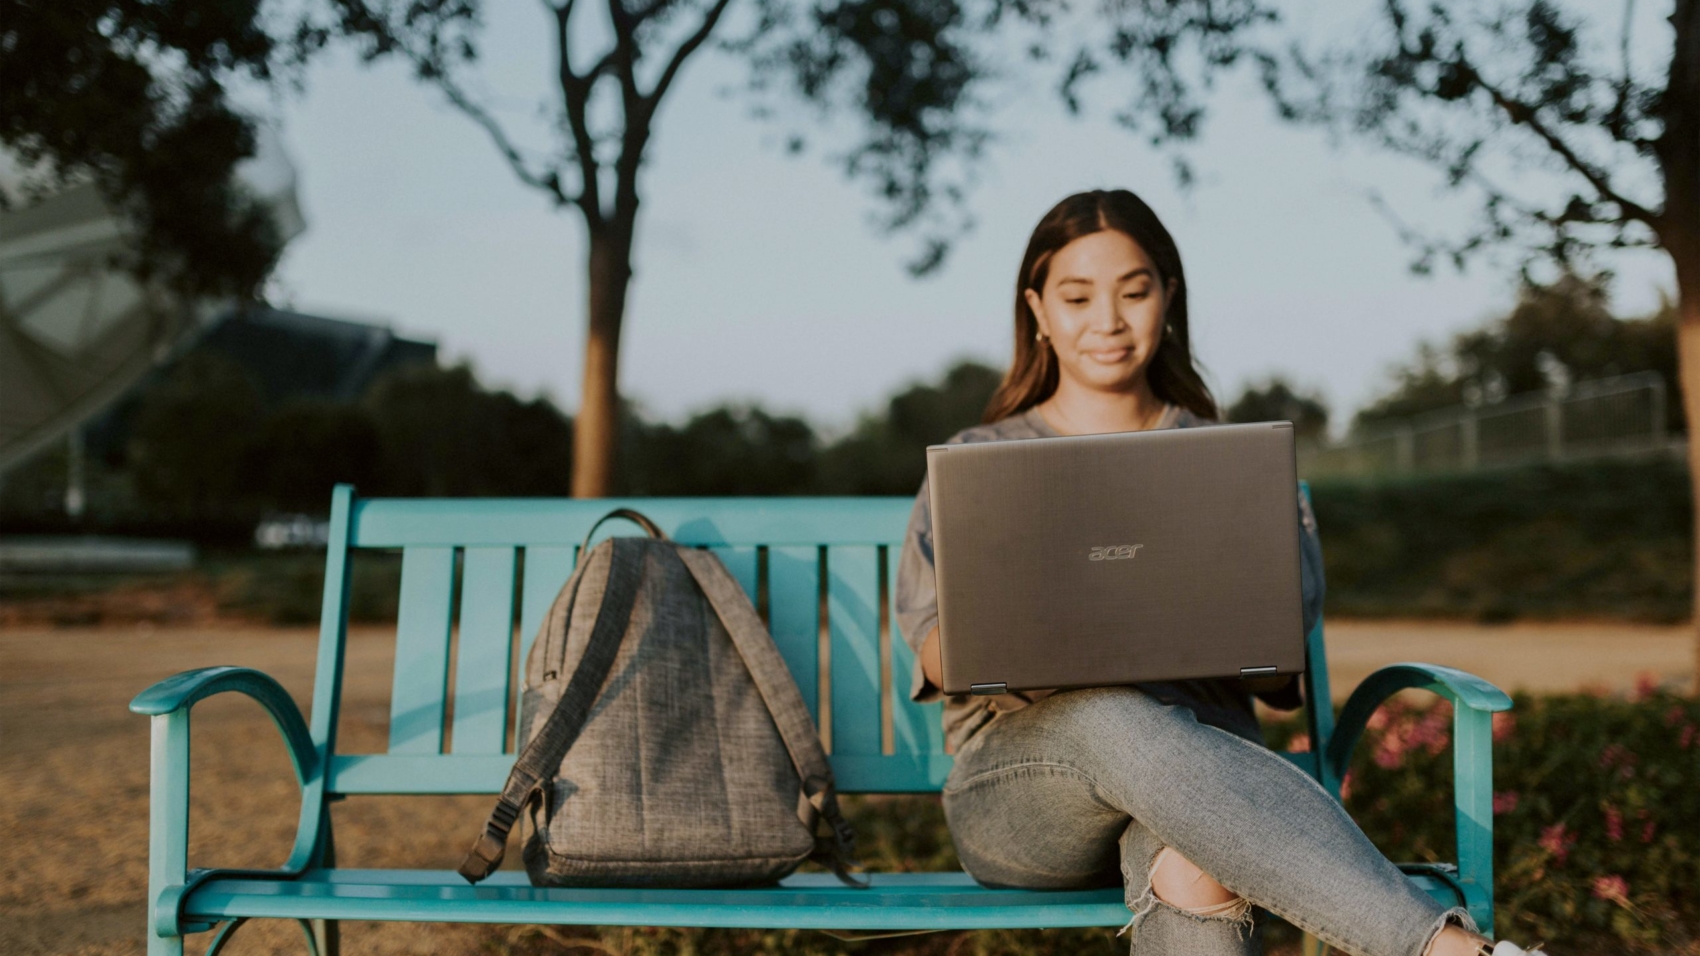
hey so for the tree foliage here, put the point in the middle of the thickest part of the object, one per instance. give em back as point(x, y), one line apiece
point(731, 450)
point(1496, 96)
point(133, 97)
point(1555, 335)
point(193, 436)
point(1275, 400)
point(444, 435)
point(886, 454)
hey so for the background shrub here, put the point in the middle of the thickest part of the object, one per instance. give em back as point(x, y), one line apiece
point(1596, 812)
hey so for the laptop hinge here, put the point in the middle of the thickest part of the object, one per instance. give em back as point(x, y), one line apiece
point(1259, 671)
point(987, 689)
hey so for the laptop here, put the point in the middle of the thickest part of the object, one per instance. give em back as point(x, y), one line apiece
point(1093, 560)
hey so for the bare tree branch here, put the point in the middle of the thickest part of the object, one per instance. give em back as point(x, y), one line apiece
point(575, 97)
point(1522, 114)
point(683, 53)
point(549, 182)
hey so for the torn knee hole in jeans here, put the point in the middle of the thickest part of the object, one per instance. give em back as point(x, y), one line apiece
point(1236, 911)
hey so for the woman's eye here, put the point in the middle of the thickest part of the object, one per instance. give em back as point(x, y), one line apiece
point(1135, 295)
point(1074, 301)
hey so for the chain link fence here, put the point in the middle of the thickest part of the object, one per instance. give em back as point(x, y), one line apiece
point(1624, 415)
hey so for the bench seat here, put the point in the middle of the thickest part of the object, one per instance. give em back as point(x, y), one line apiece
point(895, 902)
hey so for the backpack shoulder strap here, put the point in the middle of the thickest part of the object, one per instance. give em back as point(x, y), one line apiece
point(543, 754)
point(819, 799)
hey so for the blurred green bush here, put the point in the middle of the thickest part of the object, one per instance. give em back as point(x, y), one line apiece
point(1606, 539)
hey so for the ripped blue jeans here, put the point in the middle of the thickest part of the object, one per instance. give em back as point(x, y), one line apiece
point(1084, 788)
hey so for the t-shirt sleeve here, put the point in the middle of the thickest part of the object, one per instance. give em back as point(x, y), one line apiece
point(917, 604)
point(1311, 582)
point(1311, 588)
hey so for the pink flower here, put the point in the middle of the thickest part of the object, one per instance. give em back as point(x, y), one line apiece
point(1300, 744)
point(1504, 723)
point(1687, 738)
point(1556, 841)
point(1346, 786)
point(1390, 753)
point(1647, 831)
point(1674, 715)
point(1612, 888)
point(1621, 757)
point(1429, 732)
point(1614, 823)
point(1646, 685)
point(1504, 802)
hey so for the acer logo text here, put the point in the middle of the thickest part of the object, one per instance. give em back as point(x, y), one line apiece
point(1114, 552)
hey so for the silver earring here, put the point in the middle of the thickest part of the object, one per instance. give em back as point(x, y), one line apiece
point(1039, 336)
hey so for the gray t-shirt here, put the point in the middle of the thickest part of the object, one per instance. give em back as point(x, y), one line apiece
point(1225, 703)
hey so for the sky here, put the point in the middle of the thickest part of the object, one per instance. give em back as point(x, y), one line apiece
point(759, 277)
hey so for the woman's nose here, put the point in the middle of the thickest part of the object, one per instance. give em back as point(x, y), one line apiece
point(1106, 317)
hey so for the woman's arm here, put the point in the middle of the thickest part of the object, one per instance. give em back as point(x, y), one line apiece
point(930, 663)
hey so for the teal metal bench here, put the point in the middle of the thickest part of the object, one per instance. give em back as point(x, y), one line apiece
point(812, 564)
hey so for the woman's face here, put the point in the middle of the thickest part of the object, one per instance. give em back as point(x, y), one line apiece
point(1103, 308)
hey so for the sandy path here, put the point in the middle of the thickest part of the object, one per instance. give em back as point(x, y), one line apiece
point(74, 761)
point(1540, 658)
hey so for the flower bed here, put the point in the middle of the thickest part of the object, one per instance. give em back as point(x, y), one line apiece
point(1596, 811)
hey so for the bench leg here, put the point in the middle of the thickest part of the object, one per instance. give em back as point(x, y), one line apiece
point(327, 933)
point(327, 937)
point(164, 945)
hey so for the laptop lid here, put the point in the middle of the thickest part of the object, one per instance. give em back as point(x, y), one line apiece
point(1090, 560)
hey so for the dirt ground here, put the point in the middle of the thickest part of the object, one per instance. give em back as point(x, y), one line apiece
point(74, 762)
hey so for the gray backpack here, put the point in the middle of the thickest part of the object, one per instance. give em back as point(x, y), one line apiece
point(665, 743)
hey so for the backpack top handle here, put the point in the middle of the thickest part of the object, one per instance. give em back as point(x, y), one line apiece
point(636, 517)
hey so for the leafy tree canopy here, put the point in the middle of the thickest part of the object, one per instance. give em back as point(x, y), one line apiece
point(1275, 400)
point(887, 454)
point(132, 96)
point(1555, 335)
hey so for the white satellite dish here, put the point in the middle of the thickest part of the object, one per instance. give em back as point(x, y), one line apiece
point(76, 332)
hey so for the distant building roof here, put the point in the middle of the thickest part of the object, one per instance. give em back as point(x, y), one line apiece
point(295, 355)
point(290, 354)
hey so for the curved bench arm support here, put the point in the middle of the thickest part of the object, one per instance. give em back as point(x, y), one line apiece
point(182, 691)
point(168, 703)
point(1474, 702)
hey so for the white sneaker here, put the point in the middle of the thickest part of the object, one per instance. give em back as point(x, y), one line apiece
point(1508, 948)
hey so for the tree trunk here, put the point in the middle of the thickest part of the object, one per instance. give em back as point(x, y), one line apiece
point(596, 429)
point(1678, 149)
point(1688, 370)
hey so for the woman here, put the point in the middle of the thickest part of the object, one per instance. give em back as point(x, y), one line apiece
point(1166, 787)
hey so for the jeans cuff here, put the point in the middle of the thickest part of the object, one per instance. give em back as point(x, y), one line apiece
point(1456, 916)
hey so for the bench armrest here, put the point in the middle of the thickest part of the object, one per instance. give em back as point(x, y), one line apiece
point(1474, 702)
point(1464, 690)
point(168, 703)
point(182, 691)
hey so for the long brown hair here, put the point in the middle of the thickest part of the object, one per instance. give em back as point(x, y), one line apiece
point(1032, 376)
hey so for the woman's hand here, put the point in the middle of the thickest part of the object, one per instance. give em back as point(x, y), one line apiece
point(931, 666)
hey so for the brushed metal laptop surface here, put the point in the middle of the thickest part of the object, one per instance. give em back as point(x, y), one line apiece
point(1090, 560)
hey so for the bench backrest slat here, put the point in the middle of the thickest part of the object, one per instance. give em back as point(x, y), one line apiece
point(423, 628)
point(546, 569)
point(853, 613)
point(915, 728)
point(484, 661)
point(793, 599)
